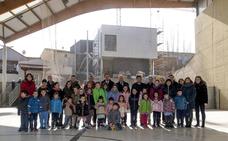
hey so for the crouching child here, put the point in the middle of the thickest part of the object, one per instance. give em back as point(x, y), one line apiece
point(168, 110)
point(114, 118)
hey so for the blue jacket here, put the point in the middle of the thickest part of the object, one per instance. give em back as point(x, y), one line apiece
point(56, 106)
point(180, 102)
point(34, 105)
point(114, 95)
point(189, 92)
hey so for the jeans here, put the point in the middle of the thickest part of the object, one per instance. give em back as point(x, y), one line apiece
point(68, 120)
point(189, 116)
point(92, 116)
point(44, 119)
point(198, 108)
point(55, 119)
point(180, 117)
point(168, 118)
point(33, 121)
point(157, 118)
point(24, 121)
point(134, 117)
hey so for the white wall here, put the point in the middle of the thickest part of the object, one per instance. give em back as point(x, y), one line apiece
point(132, 42)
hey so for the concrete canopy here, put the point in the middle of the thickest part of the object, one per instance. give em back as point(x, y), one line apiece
point(21, 18)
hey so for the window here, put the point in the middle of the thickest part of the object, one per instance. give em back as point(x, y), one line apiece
point(110, 42)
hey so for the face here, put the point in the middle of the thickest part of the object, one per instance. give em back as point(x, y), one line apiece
point(171, 77)
point(157, 83)
point(150, 79)
point(187, 81)
point(145, 96)
point(107, 77)
point(100, 100)
point(49, 78)
point(73, 78)
point(115, 107)
point(121, 98)
point(125, 88)
point(56, 96)
point(139, 79)
point(114, 88)
point(155, 95)
point(181, 81)
point(168, 83)
point(29, 78)
point(44, 83)
point(134, 91)
point(111, 101)
point(89, 91)
point(98, 85)
point(57, 86)
point(179, 93)
point(23, 95)
point(144, 91)
point(70, 100)
point(166, 96)
point(76, 90)
point(35, 94)
point(81, 91)
point(91, 78)
point(121, 78)
point(83, 99)
point(198, 80)
point(43, 92)
point(68, 84)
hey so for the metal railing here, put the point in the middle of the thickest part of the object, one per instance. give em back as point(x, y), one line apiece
point(13, 95)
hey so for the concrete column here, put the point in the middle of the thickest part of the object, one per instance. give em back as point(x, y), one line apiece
point(4, 74)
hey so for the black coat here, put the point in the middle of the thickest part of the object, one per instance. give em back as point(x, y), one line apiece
point(134, 102)
point(170, 90)
point(82, 109)
point(120, 86)
point(110, 84)
point(201, 93)
point(139, 86)
point(23, 105)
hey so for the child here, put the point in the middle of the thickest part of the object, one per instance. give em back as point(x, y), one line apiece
point(92, 109)
point(101, 112)
point(134, 105)
point(181, 106)
point(123, 110)
point(44, 108)
point(33, 109)
point(75, 98)
point(109, 105)
point(168, 110)
point(114, 93)
point(126, 94)
point(68, 108)
point(82, 111)
point(114, 118)
point(157, 109)
point(97, 92)
point(56, 110)
point(145, 110)
point(23, 111)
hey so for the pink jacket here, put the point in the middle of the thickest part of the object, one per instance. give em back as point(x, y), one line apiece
point(157, 106)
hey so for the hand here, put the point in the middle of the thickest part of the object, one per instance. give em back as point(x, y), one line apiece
point(205, 104)
point(29, 113)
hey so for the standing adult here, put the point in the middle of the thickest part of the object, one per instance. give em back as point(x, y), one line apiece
point(90, 84)
point(108, 82)
point(168, 88)
point(150, 84)
point(28, 84)
point(68, 90)
point(189, 92)
point(175, 85)
point(201, 99)
point(139, 85)
point(121, 83)
point(50, 84)
point(74, 81)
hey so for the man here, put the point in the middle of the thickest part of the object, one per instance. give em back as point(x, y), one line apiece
point(175, 85)
point(108, 82)
point(138, 85)
point(150, 83)
point(121, 83)
point(50, 84)
point(74, 82)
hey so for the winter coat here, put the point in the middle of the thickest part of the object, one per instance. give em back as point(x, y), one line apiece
point(139, 86)
point(157, 89)
point(120, 85)
point(68, 108)
point(114, 116)
point(44, 103)
point(201, 93)
point(170, 90)
point(23, 105)
point(134, 102)
point(34, 105)
point(82, 109)
point(168, 105)
point(157, 105)
point(189, 92)
point(90, 100)
point(180, 102)
point(145, 106)
point(114, 95)
point(109, 84)
point(97, 93)
point(56, 106)
point(29, 86)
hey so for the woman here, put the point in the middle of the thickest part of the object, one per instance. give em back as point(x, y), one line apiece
point(67, 90)
point(201, 99)
point(189, 92)
point(169, 89)
point(28, 84)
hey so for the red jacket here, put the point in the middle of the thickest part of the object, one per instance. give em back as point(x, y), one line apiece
point(29, 86)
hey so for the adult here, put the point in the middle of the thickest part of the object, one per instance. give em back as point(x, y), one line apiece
point(201, 99)
point(42, 86)
point(74, 81)
point(90, 84)
point(168, 88)
point(180, 83)
point(121, 83)
point(68, 90)
point(189, 92)
point(175, 85)
point(139, 85)
point(150, 83)
point(28, 84)
point(157, 87)
point(56, 89)
point(50, 84)
point(108, 82)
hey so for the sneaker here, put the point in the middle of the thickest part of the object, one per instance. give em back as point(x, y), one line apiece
point(197, 125)
point(19, 130)
point(55, 128)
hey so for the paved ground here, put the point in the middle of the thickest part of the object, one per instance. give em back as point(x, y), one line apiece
point(216, 122)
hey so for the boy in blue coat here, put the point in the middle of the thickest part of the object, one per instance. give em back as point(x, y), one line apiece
point(33, 110)
point(56, 110)
point(181, 106)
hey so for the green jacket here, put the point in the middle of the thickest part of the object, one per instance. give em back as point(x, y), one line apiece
point(145, 106)
point(97, 93)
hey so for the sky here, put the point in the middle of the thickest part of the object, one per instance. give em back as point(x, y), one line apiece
point(177, 26)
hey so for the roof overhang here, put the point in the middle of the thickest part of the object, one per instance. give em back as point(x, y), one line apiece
point(29, 17)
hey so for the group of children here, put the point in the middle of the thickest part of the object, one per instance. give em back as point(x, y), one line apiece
point(108, 109)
